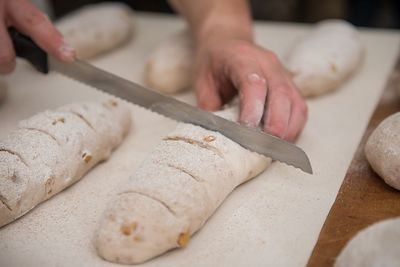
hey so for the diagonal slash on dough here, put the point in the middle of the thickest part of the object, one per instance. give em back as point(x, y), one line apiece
point(4, 201)
point(151, 197)
point(195, 142)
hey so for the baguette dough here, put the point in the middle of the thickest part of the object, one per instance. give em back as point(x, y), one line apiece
point(377, 245)
point(322, 60)
point(98, 28)
point(54, 149)
point(169, 67)
point(383, 150)
point(173, 193)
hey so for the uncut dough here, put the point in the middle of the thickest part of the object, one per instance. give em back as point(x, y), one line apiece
point(383, 150)
point(3, 90)
point(325, 58)
point(97, 28)
point(169, 67)
point(53, 149)
point(173, 193)
point(376, 246)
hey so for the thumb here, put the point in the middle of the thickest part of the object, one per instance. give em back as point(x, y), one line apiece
point(32, 22)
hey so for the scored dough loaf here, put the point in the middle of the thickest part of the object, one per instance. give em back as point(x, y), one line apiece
point(53, 149)
point(173, 193)
point(169, 67)
point(322, 60)
point(377, 245)
point(383, 150)
point(97, 28)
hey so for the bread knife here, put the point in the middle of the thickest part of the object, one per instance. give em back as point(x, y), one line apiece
point(250, 138)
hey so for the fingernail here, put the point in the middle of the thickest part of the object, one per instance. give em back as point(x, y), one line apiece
point(67, 52)
point(253, 77)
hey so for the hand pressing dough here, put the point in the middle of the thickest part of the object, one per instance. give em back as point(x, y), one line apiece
point(325, 58)
point(377, 245)
point(3, 90)
point(173, 193)
point(98, 28)
point(54, 149)
point(169, 67)
point(383, 150)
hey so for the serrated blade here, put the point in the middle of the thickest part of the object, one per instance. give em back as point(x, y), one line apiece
point(249, 138)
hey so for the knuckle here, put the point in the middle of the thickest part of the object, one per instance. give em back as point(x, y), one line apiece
point(242, 47)
point(272, 57)
point(282, 89)
point(34, 18)
point(6, 58)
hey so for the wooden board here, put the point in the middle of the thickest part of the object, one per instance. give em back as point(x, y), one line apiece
point(364, 198)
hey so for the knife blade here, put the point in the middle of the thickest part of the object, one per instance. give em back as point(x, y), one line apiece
point(250, 138)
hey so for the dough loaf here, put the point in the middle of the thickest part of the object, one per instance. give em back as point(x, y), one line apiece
point(169, 67)
point(54, 149)
point(383, 150)
point(325, 58)
point(173, 193)
point(98, 28)
point(376, 246)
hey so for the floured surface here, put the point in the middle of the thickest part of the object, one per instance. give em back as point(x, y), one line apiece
point(272, 220)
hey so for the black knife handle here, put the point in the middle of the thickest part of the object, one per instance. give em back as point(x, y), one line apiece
point(27, 49)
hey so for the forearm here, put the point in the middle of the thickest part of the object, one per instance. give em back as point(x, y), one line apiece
point(213, 19)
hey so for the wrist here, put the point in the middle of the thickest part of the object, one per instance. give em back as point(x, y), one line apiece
point(214, 32)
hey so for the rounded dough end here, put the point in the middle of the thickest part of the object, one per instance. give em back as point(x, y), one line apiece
point(97, 28)
point(129, 232)
point(166, 80)
point(383, 150)
point(312, 85)
point(169, 67)
point(377, 245)
point(321, 61)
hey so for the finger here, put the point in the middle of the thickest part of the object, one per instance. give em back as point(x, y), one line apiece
point(277, 114)
point(29, 20)
point(297, 119)
point(207, 94)
point(7, 53)
point(249, 80)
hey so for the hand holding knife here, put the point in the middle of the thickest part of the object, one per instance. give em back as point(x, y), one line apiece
point(250, 138)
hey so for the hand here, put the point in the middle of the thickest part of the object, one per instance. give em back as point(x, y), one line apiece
point(268, 97)
point(26, 18)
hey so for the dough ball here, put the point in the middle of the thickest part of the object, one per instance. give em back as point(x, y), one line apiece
point(321, 61)
point(377, 245)
point(383, 150)
point(98, 28)
point(169, 67)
